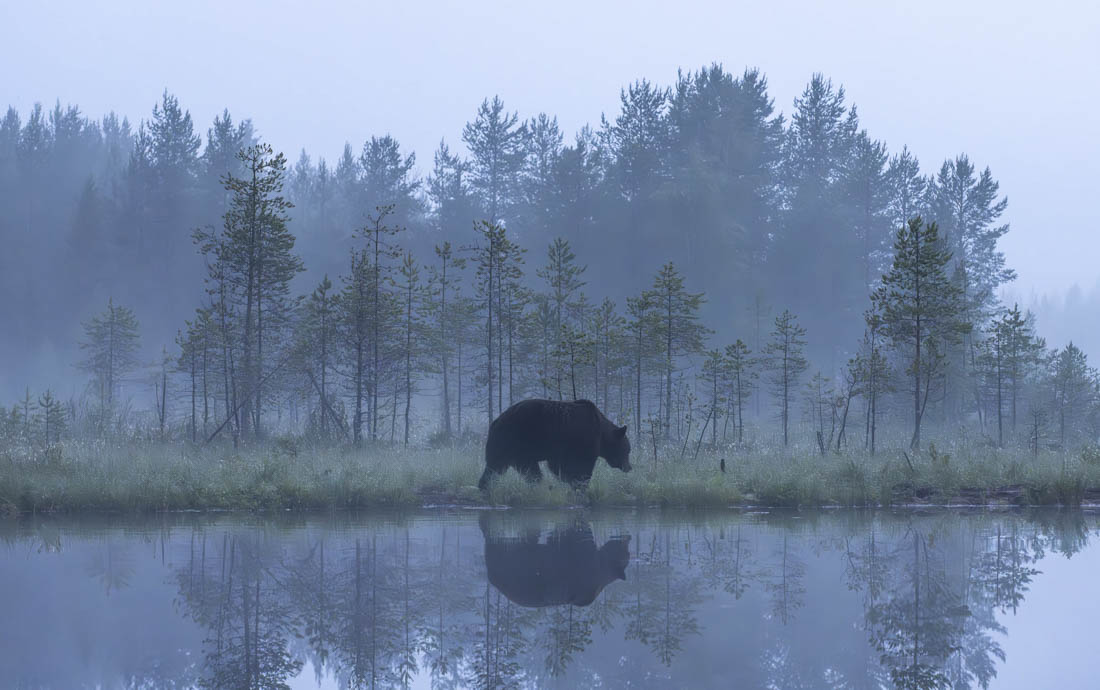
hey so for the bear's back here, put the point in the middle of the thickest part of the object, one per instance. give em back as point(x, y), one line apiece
point(549, 421)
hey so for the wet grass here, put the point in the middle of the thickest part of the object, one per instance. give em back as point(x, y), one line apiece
point(150, 476)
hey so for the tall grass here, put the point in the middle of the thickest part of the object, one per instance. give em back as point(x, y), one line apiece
point(136, 476)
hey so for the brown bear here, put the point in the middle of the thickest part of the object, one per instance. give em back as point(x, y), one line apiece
point(569, 436)
point(567, 568)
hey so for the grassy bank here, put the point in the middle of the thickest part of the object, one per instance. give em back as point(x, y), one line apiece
point(150, 476)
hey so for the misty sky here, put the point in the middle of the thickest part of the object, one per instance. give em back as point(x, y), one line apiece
point(1013, 84)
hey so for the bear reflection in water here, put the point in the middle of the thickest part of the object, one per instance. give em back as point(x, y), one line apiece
point(565, 568)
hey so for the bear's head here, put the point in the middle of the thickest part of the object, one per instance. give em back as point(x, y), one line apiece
point(616, 450)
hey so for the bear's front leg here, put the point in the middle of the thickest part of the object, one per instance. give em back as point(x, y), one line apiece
point(531, 472)
point(488, 475)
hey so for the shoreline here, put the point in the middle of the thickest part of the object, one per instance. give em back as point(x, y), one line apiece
point(438, 502)
point(142, 477)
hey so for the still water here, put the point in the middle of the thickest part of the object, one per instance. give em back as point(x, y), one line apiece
point(457, 598)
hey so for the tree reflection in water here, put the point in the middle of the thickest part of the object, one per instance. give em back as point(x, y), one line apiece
point(554, 599)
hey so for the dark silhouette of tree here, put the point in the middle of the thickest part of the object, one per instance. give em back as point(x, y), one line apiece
point(444, 281)
point(676, 324)
point(921, 309)
point(253, 259)
point(739, 380)
point(785, 363)
point(318, 353)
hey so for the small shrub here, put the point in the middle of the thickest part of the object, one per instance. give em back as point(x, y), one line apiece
point(1090, 455)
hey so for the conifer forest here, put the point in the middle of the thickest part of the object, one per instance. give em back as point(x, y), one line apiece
point(722, 278)
point(509, 346)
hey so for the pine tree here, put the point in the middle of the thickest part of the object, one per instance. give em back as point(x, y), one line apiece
point(388, 180)
point(578, 176)
point(1075, 392)
point(488, 258)
point(444, 282)
point(562, 276)
point(160, 391)
point(50, 417)
point(410, 291)
point(196, 345)
point(224, 141)
point(639, 139)
point(495, 139)
point(454, 202)
point(514, 298)
point(608, 336)
point(785, 362)
point(111, 344)
point(29, 408)
point(88, 242)
point(378, 235)
point(740, 371)
point(573, 351)
point(677, 325)
point(31, 156)
point(967, 210)
point(820, 399)
point(1017, 352)
point(921, 308)
point(350, 208)
point(464, 310)
point(354, 314)
point(724, 158)
point(817, 240)
point(907, 188)
point(171, 187)
point(866, 192)
point(317, 350)
point(253, 258)
point(872, 373)
point(642, 315)
point(712, 374)
point(849, 390)
point(540, 186)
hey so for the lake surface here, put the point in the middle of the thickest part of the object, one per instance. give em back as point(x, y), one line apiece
point(576, 599)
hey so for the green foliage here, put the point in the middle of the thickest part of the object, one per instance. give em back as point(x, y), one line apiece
point(250, 264)
point(921, 309)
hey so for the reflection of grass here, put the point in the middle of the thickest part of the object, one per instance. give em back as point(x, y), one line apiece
point(154, 476)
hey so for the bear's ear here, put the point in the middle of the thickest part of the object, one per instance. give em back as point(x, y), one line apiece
point(621, 431)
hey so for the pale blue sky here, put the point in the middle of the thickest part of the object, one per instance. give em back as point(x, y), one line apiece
point(1013, 84)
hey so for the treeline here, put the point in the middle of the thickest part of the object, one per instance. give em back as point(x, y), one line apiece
point(776, 247)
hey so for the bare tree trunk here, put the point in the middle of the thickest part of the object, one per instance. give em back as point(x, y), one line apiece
point(194, 392)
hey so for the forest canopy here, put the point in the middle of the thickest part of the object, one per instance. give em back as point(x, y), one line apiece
point(691, 258)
